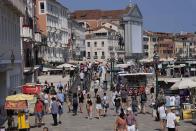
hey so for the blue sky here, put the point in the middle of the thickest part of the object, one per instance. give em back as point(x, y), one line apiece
point(159, 15)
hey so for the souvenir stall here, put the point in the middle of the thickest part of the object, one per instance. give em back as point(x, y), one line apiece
point(19, 103)
point(186, 88)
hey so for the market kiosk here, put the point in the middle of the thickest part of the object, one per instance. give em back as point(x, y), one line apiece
point(19, 104)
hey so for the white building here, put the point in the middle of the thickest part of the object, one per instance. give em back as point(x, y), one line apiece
point(53, 21)
point(10, 51)
point(101, 44)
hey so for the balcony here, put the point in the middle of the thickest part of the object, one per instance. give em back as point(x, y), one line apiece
point(95, 57)
point(18, 6)
point(102, 57)
point(110, 48)
point(118, 49)
point(26, 33)
point(88, 57)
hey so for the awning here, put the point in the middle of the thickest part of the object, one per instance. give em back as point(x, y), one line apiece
point(19, 97)
point(66, 65)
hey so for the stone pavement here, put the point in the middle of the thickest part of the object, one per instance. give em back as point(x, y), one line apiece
point(54, 78)
point(81, 123)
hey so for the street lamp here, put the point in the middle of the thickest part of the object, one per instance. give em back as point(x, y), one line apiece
point(112, 60)
point(156, 61)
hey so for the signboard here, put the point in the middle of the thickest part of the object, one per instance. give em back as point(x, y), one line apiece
point(136, 91)
point(16, 105)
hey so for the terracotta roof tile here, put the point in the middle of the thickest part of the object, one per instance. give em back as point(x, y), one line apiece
point(99, 14)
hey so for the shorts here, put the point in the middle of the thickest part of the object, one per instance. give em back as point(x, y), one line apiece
point(98, 106)
point(124, 100)
point(39, 115)
point(162, 118)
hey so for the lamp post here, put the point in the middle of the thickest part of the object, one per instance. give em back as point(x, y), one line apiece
point(112, 60)
point(156, 61)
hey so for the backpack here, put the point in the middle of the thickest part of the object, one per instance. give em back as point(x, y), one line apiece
point(75, 101)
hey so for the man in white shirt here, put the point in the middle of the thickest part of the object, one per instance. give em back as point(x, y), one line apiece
point(171, 120)
point(172, 100)
point(81, 75)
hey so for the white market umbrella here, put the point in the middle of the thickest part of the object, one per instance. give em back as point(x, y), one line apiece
point(66, 65)
point(184, 84)
point(123, 65)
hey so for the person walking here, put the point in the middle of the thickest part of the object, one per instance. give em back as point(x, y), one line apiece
point(46, 102)
point(89, 106)
point(124, 98)
point(54, 110)
point(60, 110)
point(134, 105)
point(162, 116)
point(81, 101)
point(131, 120)
point(75, 104)
point(98, 106)
point(117, 101)
point(171, 120)
point(52, 90)
point(39, 107)
point(105, 103)
point(96, 87)
point(120, 123)
point(143, 101)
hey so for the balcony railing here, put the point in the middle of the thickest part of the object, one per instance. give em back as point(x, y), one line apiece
point(102, 57)
point(110, 48)
point(118, 49)
point(88, 57)
point(95, 57)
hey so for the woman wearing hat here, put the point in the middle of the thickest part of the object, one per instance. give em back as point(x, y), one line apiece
point(131, 120)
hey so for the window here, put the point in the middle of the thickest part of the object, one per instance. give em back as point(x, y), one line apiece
point(88, 44)
point(145, 39)
point(102, 43)
point(154, 39)
point(103, 53)
point(95, 44)
point(145, 46)
point(95, 53)
point(89, 54)
point(42, 7)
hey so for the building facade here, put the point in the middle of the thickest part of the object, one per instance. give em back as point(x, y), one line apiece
point(53, 22)
point(133, 28)
point(10, 52)
point(77, 48)
point(129, 19)
point(185, 46)
point(101, 44)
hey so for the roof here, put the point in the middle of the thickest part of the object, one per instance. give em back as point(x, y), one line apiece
point(99, 14)
point(102, 27)
point(137, 74)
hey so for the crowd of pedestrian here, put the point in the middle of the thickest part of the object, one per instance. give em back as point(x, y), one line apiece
point(55, 100)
